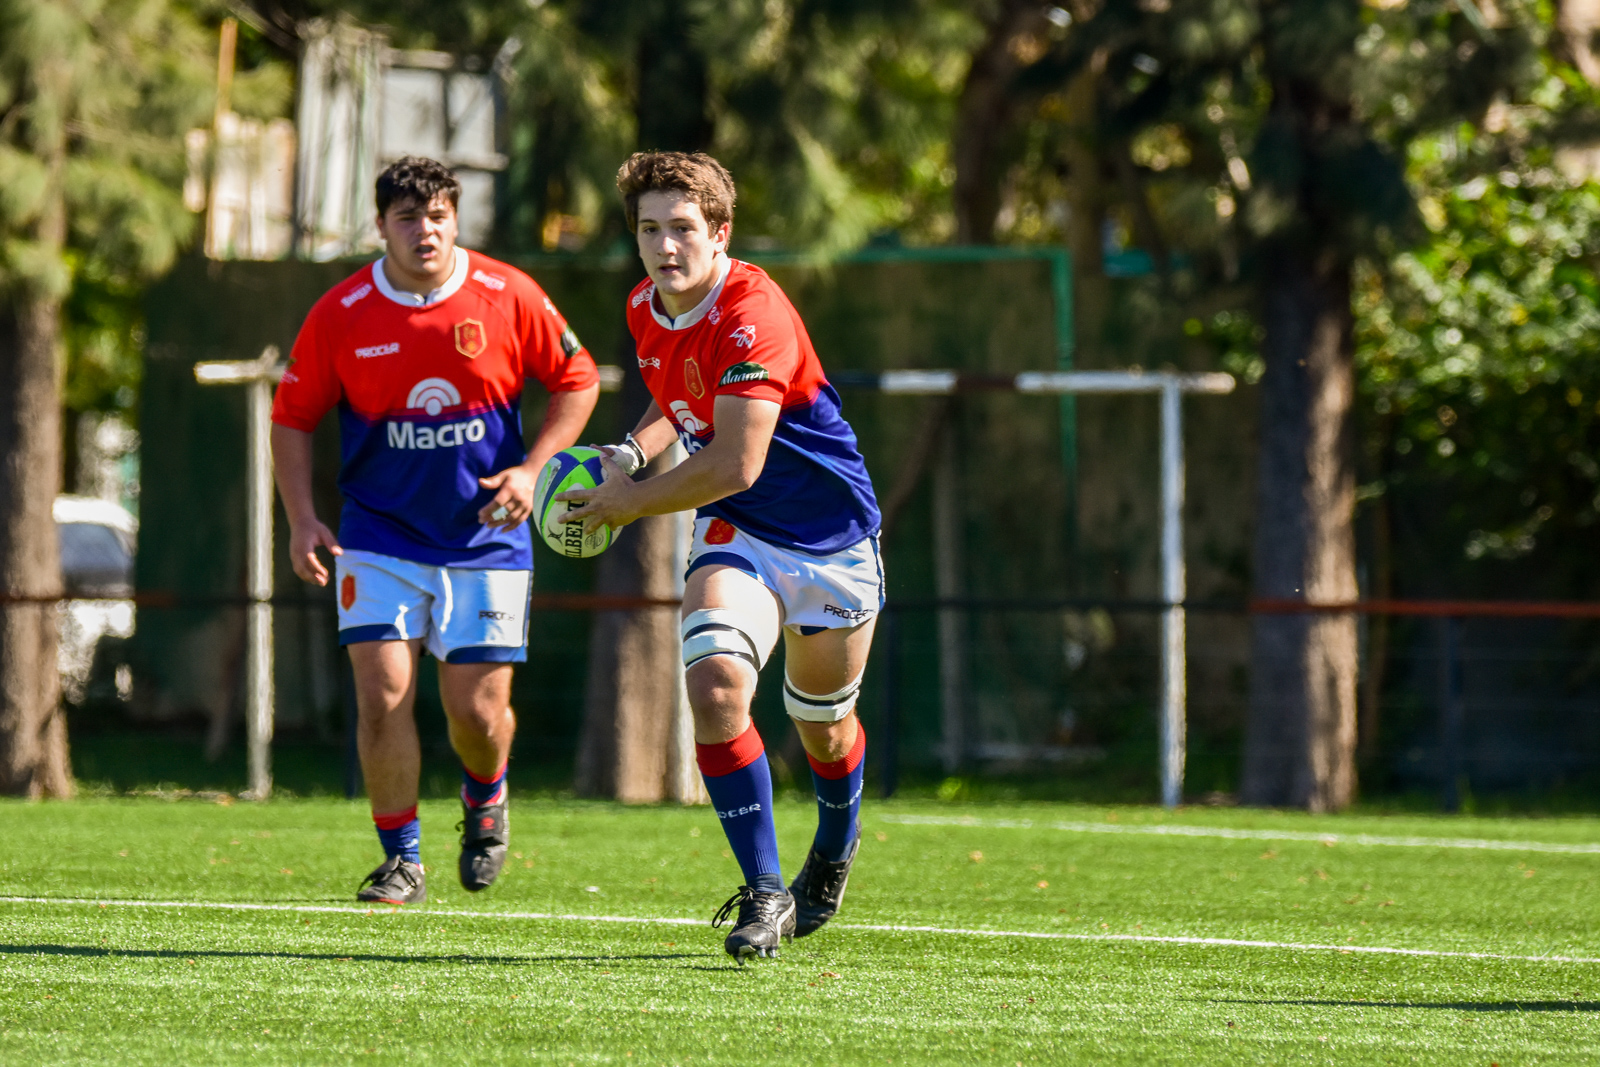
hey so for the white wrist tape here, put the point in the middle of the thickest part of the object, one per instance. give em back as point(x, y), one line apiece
point(628, 455)
point(808, 707)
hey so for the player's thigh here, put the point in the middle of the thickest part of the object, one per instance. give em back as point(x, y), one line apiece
point(475, 692)
point(826, 662)
point(385, 674)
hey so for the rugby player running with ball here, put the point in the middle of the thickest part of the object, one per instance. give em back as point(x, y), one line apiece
point(424, 353)
point(785, 536)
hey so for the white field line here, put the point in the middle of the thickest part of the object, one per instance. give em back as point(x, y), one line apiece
point(1246, 835)
point(952, 931)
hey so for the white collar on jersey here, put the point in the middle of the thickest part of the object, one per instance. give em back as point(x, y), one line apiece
point(458, 278)
point(698, 312)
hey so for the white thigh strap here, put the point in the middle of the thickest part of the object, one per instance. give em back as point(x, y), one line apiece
point(808, 707)
point(726, 632)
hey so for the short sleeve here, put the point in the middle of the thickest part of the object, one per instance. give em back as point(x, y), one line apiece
point(551, 352)
point(758, 355)
point(310, 386)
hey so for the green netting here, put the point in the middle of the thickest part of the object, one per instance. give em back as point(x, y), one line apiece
point(1028, 532)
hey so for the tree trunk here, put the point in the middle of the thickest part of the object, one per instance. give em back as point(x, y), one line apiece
point(632, 697)
point(633, 671)
point(1300, 743)
point(34, 759)
point(632, 693)
point(983, 114)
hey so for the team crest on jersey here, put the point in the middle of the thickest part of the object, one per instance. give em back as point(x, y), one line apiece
point(471, 338)
point(691, 378)
point(744, 372)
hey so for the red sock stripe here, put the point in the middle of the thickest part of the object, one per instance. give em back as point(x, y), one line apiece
point(842, 768)
point(476, 777)
point(729, 756)
point(395, 819)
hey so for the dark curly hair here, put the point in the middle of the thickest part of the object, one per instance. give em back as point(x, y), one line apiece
point(695, 174)
point(416, 178)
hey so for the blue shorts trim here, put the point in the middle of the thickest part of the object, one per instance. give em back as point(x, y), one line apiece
point(488, 654)
point(383, 631)
point(726, 559)
point(810, 631)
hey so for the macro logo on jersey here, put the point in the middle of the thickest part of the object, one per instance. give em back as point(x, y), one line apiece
point(471, 339)
point(686, 419)
point(744, 336)
point(743, 372)
point(433, 395)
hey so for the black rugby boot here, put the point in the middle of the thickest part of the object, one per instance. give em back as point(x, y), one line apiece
point(396, 881)
point(764, 921)
point(485, 833)
point(818, 889)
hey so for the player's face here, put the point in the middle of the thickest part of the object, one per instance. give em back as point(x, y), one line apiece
point(679, 249)
point(420, 238)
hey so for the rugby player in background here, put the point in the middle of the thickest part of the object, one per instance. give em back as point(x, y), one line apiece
point(785, 538)
point(425, 353)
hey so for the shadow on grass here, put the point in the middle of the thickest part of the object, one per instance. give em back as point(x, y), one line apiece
point(1446, 1005)
point(174, 954)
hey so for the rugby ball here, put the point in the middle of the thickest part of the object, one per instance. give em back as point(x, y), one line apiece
point(571, 468)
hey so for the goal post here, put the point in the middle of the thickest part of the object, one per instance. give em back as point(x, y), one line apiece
point(1169, 387)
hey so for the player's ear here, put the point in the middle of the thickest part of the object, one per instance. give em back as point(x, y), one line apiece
point(723, 235)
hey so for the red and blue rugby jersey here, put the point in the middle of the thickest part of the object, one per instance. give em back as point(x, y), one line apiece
point(429, 392)
point(746, 339)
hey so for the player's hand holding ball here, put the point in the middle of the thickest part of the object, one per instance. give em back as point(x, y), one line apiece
point(580, 499)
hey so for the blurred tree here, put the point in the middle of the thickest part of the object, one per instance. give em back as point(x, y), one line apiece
point(94, 98)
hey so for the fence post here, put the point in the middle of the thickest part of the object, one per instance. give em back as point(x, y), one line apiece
point(889, 746)
point(1174, 665)
point(947, 563)
point(1450, 712)
point(352, 717)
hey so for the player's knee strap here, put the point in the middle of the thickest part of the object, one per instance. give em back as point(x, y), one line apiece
point(808, 707)
point(725, 632)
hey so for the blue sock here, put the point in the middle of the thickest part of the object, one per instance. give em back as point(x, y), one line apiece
point(740, 785)
point(401, 834)
point(476, 792)
point(838, 787)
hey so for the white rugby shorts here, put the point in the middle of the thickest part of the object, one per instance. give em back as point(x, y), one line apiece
point(842, 589)
point(463, 614)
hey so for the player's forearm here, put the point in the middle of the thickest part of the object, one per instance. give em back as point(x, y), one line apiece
point(702, 479)
point(564, 419)
point(654, 434)
point(291, 467)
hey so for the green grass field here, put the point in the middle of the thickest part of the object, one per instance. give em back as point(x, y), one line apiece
point(273, 963)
